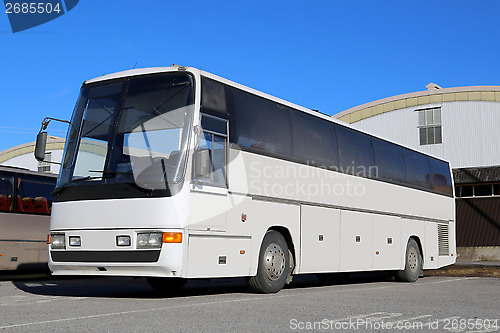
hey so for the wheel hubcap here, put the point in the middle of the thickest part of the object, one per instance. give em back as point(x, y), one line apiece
point(274, 262)
point(412, 259)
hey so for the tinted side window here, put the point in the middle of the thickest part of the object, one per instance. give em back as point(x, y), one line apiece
point(355, 152)
point(389, 161)
point(213, 124)
point(6, 191)
point(34, 194)
point(313, 140)
point(213, 96)
point(417, 169)
point(260, 124)
point(440, 176)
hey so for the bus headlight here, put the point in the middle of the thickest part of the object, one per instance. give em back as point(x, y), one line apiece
point(149, 240)
point(57, 241)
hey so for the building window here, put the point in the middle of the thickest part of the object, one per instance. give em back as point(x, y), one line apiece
point(477, 190)
point(429, 126)
point(45, 165)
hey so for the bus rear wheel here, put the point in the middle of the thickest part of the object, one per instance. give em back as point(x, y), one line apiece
point(413, 263)
point(274, 265)
point(166, 285)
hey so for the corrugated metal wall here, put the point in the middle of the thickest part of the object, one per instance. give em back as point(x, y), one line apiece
point(470, 131)
point(478, 222)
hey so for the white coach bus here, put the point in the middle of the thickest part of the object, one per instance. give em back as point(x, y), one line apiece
point(174, 173)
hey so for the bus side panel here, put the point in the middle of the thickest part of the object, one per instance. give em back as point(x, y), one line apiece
point(23, 241)
point(240, 215)
point(411, 228)
point(356, 241)
point(387, 242)
point(208, 211)
point(246, 178)
point(320, 239)
point(215, 256)
point(266, 215)
point(431, 246)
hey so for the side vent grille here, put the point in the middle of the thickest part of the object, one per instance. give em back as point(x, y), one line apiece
point(443, 240)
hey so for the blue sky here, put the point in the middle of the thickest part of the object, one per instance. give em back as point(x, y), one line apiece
point(326, 55)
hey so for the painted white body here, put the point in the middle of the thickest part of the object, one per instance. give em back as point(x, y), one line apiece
point(335, 222)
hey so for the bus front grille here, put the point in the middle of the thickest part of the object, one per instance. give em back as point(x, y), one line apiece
point(105, 256)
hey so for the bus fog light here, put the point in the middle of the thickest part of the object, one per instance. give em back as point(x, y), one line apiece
point(57, 241)
point(75, 241)
point(149, 240)
point(122, 240)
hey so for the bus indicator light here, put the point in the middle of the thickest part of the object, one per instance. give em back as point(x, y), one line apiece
point(172, 237)
point(48, 239)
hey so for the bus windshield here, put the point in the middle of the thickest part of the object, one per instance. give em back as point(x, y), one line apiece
point(133, 130)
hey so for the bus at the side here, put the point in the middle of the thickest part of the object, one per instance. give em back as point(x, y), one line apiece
point(25, 205)
point(174, 173)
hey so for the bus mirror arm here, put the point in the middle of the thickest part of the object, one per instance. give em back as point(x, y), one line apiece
point(41, 139)
point(46, 122)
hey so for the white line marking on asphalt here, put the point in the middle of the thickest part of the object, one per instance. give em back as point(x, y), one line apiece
point(405, 320)
point(210, 303)
point(358, 316)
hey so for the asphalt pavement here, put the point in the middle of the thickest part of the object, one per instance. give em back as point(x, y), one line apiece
point(364, 303)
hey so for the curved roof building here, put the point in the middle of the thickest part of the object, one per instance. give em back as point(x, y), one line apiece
point(22, 156)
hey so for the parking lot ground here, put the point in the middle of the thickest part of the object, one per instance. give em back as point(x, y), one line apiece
point(364, 303)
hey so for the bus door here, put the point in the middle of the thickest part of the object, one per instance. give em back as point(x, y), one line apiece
point(209, 192)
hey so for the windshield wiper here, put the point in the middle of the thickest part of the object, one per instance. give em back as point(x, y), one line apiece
point(114, 174)
point(128, 174)
point(61, 188)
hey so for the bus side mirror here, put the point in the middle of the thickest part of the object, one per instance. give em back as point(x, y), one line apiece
point(41, 144)
point(202, 164)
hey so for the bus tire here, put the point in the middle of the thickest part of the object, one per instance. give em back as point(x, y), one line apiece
point(166, 285)
point(274, 265)
point(413, 263)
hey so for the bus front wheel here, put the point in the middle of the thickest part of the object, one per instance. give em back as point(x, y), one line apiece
point(413, 263)
point(274, 265)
